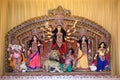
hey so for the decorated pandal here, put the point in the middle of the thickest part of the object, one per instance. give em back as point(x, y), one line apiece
point(58, 44)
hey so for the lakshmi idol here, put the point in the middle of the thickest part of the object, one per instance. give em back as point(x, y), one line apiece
point(34, 53)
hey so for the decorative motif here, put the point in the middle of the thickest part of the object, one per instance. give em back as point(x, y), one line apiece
point(60, 11)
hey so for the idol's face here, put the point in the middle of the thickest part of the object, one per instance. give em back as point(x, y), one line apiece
point(83, 38)
point(59, 28)
point(70, 51)
point(34, 38)
point(102, 45)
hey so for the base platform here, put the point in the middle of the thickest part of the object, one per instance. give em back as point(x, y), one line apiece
point(60, 76)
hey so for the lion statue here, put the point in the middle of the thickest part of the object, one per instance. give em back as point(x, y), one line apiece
point(52, 64)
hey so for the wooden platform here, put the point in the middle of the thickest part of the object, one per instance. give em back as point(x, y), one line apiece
point(60, 76)
point(57, 74)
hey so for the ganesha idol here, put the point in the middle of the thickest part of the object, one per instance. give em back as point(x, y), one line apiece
point(16, 55)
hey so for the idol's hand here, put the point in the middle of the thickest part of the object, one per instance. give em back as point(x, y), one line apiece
point(75, 23)
point(9, 58)
point(39, 44)
point(50, 33)
point(28, 52)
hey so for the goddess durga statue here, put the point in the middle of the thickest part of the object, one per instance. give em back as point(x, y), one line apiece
point(59, 36)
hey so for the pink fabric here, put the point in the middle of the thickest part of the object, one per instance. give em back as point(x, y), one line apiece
point(35, 61)
point(16, 55)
